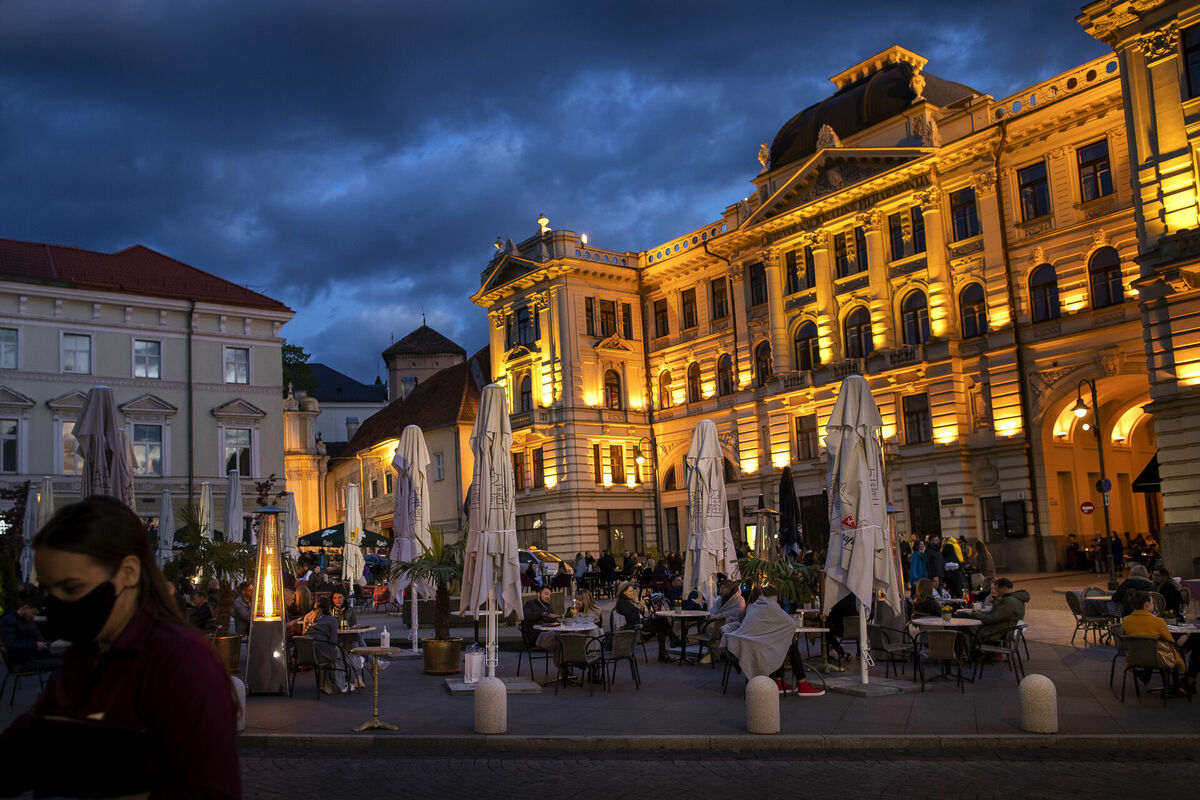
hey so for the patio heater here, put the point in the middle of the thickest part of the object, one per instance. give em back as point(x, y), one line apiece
point(266, 652)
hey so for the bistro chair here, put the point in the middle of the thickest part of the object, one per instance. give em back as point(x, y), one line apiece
point(1114, 636)
point(1095, 625)
point(850, 633)
point(708, 637)
point(306, 656)
point(29, 670)
point(530, 649)
point(939, 647)
point(1160, 603)
point(622, 644)
point(731, 664)
point(585, 652)
point(1008, 646)
point(639, 639)
point(1141, 653)
point(892, 646)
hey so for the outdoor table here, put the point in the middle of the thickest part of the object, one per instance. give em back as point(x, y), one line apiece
point(965, 623)
point(374, 653)
point(548, 634)
point(685, 619)
point(1100, 605)
point(1184, 630)
point(355, 629)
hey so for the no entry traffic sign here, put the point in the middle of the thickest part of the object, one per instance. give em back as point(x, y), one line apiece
point(1087, 506)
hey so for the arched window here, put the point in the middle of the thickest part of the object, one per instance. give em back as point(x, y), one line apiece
point(973, 310)
point(665, 400)
point(730, 472)
point(725, 383)
point(859, 342)
point(693, 383)
point(670, 483)
point(612, 390)
point(1043, 293)
point(763, 370)
point(526, 393)
point(1104, 273)
point(914, 318)
point(808, 347)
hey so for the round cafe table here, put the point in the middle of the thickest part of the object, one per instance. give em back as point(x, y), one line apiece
point(374, 653)
point(685, 620)
point(548, 636)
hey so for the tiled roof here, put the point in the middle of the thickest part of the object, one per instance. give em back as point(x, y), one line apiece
point(450, 397)
point(334, 387)
point(134, 270)
point(424, 341)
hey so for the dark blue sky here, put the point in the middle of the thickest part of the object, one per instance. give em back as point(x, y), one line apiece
point(356, 158)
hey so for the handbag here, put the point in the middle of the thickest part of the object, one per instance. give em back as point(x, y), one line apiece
point(1166, 655)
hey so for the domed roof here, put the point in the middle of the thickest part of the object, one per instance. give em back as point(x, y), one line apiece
point(858, 105)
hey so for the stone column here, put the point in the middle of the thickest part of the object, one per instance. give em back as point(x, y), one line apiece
point(781, 355)
point(737, 308)
point(827, 317)
point(941, 296)
point(495, 343)
point(987, 206)
point(883, 329)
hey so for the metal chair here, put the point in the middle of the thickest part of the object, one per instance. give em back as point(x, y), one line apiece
point(622, 649)
point(890, 645)
point(585, 652)
point(28, 670)
point(1088, 624)
point(706, 637)
point(850, 633)
point(1141, 652)
point(306, 656)
point(941, 647)
point(530, 649)
point(1160, 603)
point(640, 639)
point(1007, 645)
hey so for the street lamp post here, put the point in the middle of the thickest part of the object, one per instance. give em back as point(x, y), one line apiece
point(1081, 411)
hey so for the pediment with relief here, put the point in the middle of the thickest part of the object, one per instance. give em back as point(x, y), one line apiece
point(10, 398)
point(518, 352)
point(615, 342)
point(510, 268)
point(148, 404)
point(71, 401)
point(239, 408)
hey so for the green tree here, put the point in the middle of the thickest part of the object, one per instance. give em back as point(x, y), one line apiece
point(296, 373)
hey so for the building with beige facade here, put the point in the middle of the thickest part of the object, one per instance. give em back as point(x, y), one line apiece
point(193, 361)
point(975, 258)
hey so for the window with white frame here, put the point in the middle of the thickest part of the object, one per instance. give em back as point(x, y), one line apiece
point(8, 348)
point(147, 359)
point(148, 449)
point(8, 445)
point(237, 365)
point(439, 467)
point(237, 450)
point(77, 353)
point(72, 461)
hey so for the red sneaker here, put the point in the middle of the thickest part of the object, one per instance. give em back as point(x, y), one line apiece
point(784, 687)
point(806, 689)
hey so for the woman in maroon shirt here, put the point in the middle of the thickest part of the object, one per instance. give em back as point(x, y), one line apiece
point(142, 705)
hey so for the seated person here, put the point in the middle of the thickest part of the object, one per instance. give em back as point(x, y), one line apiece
point(729, 603)
point(242, 607)
point(985, 593)
point(939, 592)
point(536, 612)
point(1142, 622)
point(23, 641)
point(764, 639)
point(1008, 608)
point(562, 578)
point(635, 613)
point(323, 631)
point(835, 620)
point(1165, 585)
point(201, 613)
point(693, 602)
point(316, 580)
point(675, 590)
point(1139, 580)
point(586, 610)
point(529, 578)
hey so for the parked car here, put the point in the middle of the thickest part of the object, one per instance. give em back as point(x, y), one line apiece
point(547, 562)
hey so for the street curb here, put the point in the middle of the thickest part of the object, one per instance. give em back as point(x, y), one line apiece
point(728, 743)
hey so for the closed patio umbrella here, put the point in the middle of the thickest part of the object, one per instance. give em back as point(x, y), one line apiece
point(107, 459)
point(491, 570)
point(291, 526)
point(234, 526)
point(29, 530)
point(791, 535)
point(352, 554)
point(45, 509)
point(860, 559)
point(206, 511)
point(166, 527)
point(410, 517)
point(710, 544)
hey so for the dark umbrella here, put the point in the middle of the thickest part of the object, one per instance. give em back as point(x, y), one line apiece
point(335, 536)
point(791, 534)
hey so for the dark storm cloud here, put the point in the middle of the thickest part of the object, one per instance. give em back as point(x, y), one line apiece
point(356, 159)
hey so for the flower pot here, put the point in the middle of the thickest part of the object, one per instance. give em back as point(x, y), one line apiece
point(229, 648)
point(442, 656)
point(946, 615)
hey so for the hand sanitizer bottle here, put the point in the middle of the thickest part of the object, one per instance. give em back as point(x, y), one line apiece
point(385, 638)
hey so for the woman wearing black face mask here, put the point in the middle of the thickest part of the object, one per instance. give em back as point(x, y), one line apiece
point(142, 704)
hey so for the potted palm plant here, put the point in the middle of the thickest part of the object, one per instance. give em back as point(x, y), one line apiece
point(440, 565)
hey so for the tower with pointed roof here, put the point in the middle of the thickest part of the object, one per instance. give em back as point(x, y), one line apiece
point(418, 356)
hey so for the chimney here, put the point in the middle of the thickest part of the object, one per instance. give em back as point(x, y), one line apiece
point(407, 384)
point(351, 427)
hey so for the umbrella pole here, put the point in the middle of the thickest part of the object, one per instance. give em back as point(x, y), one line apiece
point(412, 588)
point(491, 633)
point(862, 641)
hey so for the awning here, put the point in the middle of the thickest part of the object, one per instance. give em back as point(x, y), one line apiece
point(1147, 480)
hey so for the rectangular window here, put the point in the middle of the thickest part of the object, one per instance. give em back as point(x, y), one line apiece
point(918, 229)
point(918, 427)
point(8, 348)
point(589, 313)
point(672, 517)
point(861, 261)
point(72, 460)
point(518, 468)
point(597, 466)
point(531, 531)
point(8, 445)
point(661, 324)
point(374, 488)
point(963, 216)
point(237, 450)
point(720, 299)
point(387, 483)
point(439, 467)
point(841, 255)
point(1034, 190)
point(1191, 59)
point(237, 365)
point(525, 326)
point(627, 320)
point(539, 469)
point(147, 359)
point(758, 284)
point(148, 449)
point(896, 234)
point(77, 353)
point(807, 441)
point(616, 460)
point(809, 279)
point(689, 308)
point(1095, 176)
point(792, 268)
point(608, 317)
point(620, 530)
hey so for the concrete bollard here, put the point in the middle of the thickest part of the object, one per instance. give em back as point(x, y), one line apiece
point(762, 705)
point(239, 691)
point(1039, 705)
point(491, 706)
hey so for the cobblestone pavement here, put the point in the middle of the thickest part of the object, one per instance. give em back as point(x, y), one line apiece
point(973, 774)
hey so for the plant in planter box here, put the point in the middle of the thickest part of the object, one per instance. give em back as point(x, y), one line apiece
point(439, 565)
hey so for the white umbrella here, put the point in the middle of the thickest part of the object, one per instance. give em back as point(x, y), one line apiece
point(491, 571)
point(291, 526)
point(45, 509)
point(710, 544)
point(410, 517)
point(206, 510)
point(166, 527)
point(352, 554)
point(107, 461)
point(233, 507)
point(860, 560)
point(30, 529)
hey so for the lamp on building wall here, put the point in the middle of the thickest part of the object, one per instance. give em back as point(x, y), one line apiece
point(266, 651)
point(1081, 410)
point(639, 452)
